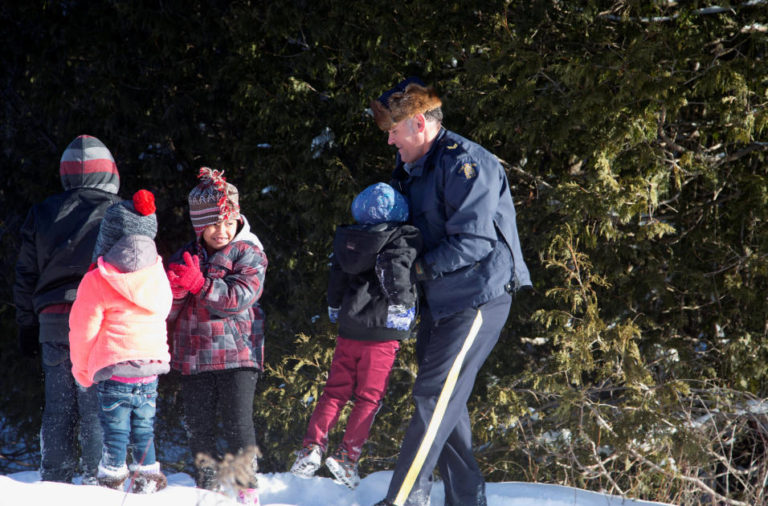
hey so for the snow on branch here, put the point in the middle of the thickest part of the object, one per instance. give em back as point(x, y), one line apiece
point(758, 27)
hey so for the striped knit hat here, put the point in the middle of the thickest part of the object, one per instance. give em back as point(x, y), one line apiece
point(87, 163)
point(212, 200)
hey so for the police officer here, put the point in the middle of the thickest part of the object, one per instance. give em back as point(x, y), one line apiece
point(471, 266)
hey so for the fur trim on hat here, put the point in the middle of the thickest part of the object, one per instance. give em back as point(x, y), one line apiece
point(401, 105)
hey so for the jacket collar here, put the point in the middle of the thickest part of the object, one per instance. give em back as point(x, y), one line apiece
point(417, 168)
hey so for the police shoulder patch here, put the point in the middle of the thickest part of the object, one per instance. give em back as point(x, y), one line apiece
point(468, 170)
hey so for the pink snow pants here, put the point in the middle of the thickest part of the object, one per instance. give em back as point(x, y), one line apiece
point(360, 368)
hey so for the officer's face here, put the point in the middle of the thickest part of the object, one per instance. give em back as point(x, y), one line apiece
point(409, 138)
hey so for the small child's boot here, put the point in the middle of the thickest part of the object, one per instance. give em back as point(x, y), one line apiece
point(206, 478)
point(90, 475)
point(147, 479)
point(112, 477)
point(308, 460)
point(343, 468)
point(248, 496)
point(90, 479)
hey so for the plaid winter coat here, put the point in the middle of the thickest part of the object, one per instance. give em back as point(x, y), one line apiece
point(222, 326)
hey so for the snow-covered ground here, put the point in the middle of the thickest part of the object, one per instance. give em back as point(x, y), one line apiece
point(284, 489)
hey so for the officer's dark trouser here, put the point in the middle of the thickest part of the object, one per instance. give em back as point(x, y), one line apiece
point(450, 352)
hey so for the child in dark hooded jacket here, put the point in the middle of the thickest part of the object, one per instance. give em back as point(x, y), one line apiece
point(373, 298)
point(57, 241)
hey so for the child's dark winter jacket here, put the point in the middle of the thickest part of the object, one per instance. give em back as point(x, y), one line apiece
point(370, 270)
point(221, 327)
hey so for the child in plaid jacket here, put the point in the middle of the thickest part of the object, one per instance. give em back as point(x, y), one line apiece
point(217, 324)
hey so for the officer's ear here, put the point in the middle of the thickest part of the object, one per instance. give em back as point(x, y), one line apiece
point(419, 123)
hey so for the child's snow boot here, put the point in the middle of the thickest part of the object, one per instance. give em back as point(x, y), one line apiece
point(90, 479)
point(343, 468)
point(308, 460)
point(112, 477)
point(206, 478)
point(147, 479)
point(90, 475)
point(248, 496)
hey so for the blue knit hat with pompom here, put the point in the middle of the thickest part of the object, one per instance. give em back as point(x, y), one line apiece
point(379, 203)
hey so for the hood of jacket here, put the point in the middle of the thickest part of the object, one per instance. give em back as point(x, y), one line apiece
point(246, 235)
point(356, 246)
point(243, 235)
point(132, 253)
point(87, 163)
point(144, 287)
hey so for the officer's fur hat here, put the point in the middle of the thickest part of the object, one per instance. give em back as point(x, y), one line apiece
point(409, 98)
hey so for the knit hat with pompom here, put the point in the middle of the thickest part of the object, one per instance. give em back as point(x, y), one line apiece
point(129, 217)
point(212, 200)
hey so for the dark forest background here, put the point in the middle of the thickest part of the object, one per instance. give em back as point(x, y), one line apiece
point(634, 136)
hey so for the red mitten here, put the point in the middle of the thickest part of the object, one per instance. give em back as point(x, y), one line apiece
point(179, 292)
point(188, 274)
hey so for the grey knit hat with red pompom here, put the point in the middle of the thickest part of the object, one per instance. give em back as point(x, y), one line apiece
point(129, 217)
point(212, 200)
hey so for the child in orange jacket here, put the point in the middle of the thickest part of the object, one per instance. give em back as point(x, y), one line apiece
point(118, 340)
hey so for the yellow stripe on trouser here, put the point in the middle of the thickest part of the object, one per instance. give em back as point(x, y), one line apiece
point(437, 415)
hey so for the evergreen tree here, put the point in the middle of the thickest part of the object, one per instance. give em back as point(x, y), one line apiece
point(634, 135)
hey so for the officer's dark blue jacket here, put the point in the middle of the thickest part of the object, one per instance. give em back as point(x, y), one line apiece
point(460, 201)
